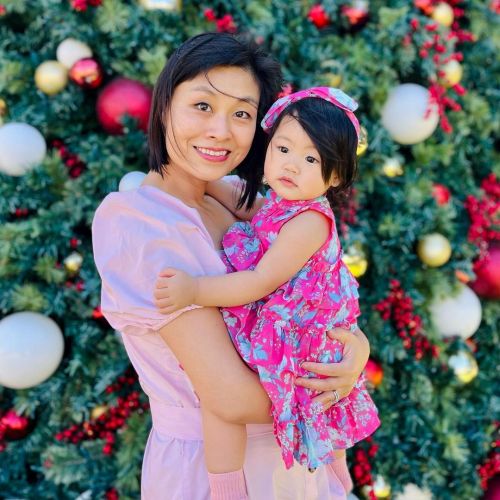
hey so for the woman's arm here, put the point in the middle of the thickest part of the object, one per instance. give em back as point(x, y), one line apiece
point(228, 194)
point(298, 239)
point(223, 383)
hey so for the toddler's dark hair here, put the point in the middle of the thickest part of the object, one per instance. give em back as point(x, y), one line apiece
point(199, 55)
point(335, 138)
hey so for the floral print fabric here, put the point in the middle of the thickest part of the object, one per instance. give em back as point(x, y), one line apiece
point(275, 334)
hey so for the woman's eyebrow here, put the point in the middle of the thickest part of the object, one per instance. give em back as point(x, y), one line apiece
point(208, 90)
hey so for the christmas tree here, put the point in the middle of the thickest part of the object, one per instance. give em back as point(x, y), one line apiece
point(421, 230)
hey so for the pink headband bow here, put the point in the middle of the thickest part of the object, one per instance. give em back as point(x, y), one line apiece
point(330, 94)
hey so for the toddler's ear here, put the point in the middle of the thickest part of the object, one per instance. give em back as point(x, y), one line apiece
point(334, 181)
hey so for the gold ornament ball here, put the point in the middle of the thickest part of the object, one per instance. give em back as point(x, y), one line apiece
point(392, 167)
point(333, 79)
point(381, 489)
point(73, 262)
point(51, 77)
point(167, 5)
point(434, 250)
point(3, 107)
point(355, 259)
point(98, 411)
point(363, 141)
point(452, 73)
point(464, 365)
point(443, 14)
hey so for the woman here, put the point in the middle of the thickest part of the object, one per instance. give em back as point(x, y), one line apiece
point(206, 106)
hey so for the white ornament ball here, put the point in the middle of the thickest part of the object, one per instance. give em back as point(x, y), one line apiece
point(413, 492)
point(21, 148)
point(408, 115)
point(457, 316)
point(70, 51)
point(131, 181)
point(31, 348)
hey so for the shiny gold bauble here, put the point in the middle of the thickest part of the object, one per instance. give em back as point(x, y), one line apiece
point(3, 107)
point(98, 411)
point(362, 141)
point(434, 250)
point(452, 73)
point(464, 365)
point(392, 167)
point(443, 14)
point(380, 489)
point(168, 5)
point(355, 259)
point(73, 262)
point(51, 77)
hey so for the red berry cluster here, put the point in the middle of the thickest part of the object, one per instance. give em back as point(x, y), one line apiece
point(83, 5)
point(491, 467)
point(398, 308)
point(357, 15)
point(106, 425)
point(318, 16)
point(111, 494)
point(3, 10)
point(441, 50)
point(362, 470)
point(21, 212)
point(484, 214)
point(223, 24)
point(349, 212)
point(74, 164)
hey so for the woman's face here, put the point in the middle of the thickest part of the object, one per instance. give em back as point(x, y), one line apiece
point(211, 122)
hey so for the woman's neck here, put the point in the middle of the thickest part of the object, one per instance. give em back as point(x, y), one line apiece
point(189, 190)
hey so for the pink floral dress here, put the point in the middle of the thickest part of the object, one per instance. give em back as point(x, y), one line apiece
point(275, 334)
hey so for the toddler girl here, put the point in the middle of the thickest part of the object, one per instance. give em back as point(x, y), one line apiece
point(287, 284)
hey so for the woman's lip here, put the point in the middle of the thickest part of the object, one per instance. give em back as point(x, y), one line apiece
point(209, 157)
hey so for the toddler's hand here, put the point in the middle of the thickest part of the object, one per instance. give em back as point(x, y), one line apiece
point(174, 290)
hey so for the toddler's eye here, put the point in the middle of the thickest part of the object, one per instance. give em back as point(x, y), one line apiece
point(282, 149)
point(202, 106)
point(311, 159)
point(242, 114)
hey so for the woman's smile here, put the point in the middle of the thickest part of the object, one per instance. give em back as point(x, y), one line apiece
point(213, 154)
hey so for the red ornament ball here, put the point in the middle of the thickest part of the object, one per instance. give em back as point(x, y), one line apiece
point(441, 194)
point(14, 426)
point(374, 372)
point(487, 283)
point(86, 73)
point(123, 97)
point(318, 16)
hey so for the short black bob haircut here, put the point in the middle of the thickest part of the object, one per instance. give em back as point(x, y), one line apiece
point(198, 55)
point(335, 138)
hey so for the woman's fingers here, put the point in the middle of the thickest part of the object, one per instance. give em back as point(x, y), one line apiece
point(328, 399)
point(326, 384)
point(328, 369)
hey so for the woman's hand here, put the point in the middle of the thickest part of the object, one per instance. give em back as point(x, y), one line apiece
point(174, 290)
point(341, 377)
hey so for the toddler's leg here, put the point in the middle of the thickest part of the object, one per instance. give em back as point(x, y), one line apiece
point(224, 455)
point(341, 470)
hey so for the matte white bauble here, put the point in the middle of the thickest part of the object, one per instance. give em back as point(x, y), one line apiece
point(70, 51)
point(408, 115)
point(458, 316)
point(31, 348)
point(131, 181)
point(21, 148)
point(413, 492)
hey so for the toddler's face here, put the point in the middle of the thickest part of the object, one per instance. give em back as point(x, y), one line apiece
point(293, 164)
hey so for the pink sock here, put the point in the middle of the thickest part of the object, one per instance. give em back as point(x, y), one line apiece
point(228, 486)
point(341, 470)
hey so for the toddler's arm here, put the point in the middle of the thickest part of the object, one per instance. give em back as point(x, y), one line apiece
point(228, 195)
point(297, 241)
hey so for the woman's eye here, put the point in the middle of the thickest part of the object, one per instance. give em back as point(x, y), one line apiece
point(311, 159)
point(242, 114)
point(202, 106)
point(282, 149)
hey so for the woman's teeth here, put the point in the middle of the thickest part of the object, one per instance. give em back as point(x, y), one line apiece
point(212, 153)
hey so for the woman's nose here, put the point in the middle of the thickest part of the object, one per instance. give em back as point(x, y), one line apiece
point(219, 128)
